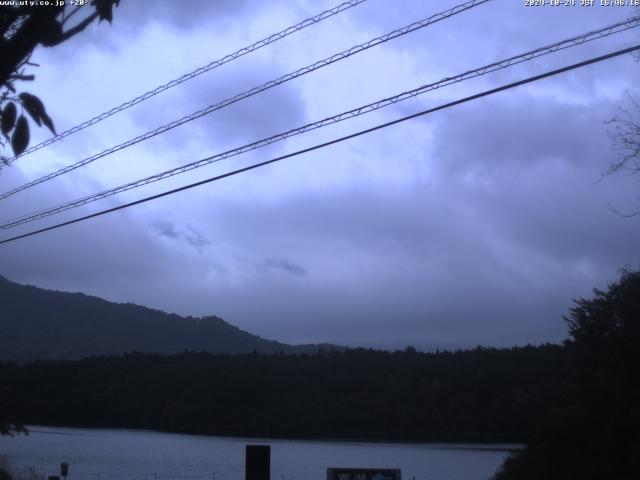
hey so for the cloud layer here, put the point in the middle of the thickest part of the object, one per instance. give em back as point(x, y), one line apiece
point(475, 225)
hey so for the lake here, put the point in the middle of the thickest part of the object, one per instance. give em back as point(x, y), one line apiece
point(102, 454)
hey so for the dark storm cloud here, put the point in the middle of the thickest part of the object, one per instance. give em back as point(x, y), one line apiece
point(85, 259)
point(513, 216)
point(284, 265)
point(195, 238)
point(274, 111)
point(476, 225)
point(446, 261)
point(432, 262)
point(536, 163)
point(519, 130)
point(188, 234)
point(117, 257)
point(250, 119)
point(167, 229)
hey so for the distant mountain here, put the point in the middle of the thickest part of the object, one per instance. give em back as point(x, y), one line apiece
point(37, 324)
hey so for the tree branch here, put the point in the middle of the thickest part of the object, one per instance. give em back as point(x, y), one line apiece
point(71, 14)
point(22, 77)
point(75, 30)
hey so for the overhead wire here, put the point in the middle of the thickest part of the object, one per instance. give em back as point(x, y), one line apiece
point(486, 69)
point(332, 142)
point(274, 37)
point(285, 78)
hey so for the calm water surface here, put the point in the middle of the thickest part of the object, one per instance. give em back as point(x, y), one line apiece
point(96, 454)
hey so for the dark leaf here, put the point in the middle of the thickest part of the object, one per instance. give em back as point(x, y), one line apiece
point(46, 119)
point(20, 137)
point(33, 105)
point(104, 9)
point(8, 117)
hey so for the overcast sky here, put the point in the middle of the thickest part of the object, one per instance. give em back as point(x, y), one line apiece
point(474, 225)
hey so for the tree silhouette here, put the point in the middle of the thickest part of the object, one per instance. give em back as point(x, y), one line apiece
point(22, 29)
point(606, 331)
point(598, 435)
point(625, 140)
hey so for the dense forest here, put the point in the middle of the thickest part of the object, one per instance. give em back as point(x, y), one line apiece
point(480, 395)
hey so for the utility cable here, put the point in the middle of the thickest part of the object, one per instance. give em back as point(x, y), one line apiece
point(199, 71)
point(332, 142)
point(502, 64)
point(285, 78)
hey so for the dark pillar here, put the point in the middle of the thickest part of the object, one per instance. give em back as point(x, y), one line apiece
point(258, 462)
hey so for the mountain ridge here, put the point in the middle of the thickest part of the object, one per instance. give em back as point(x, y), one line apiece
point(41, 324)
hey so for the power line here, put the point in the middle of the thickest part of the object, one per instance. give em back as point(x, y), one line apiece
point(502, 64)
point(285, 78)
point(199, 71)
point(332, 142)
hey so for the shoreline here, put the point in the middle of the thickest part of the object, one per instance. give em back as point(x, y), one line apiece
point(436, 445)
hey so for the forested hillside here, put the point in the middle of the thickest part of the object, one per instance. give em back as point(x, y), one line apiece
point(43, 324)
point(476, 395)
